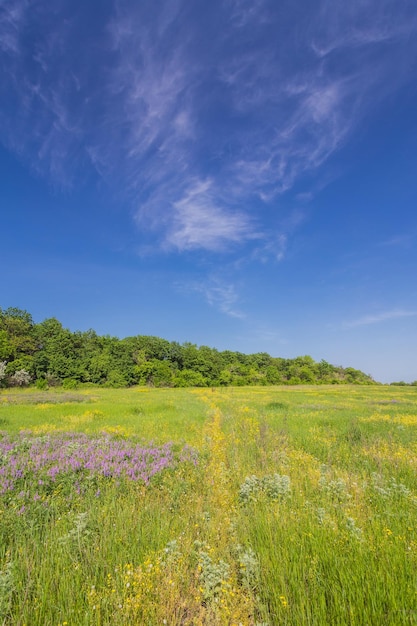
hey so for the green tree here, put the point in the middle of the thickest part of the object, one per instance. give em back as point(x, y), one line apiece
point(17, 333)
point(189, 378)
point(60, 351)
point(6, 348)
point(154, 373)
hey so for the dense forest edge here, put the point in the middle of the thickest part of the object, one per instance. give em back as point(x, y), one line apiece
point(46, 354)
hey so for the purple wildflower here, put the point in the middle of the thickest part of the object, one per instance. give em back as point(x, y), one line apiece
point(45, 459)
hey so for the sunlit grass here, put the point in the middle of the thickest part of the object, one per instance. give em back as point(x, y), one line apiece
point(301, 509)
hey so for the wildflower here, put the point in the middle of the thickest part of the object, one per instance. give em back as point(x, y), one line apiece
point(284, 601)
point(52, 456)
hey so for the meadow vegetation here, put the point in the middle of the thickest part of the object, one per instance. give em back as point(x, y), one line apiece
point(252, 506)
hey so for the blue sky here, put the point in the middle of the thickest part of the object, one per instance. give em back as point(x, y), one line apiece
point(240, 174)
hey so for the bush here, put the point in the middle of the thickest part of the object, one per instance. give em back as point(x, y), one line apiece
point(116, 380)
point(70, 383)
point(189, 378)
point(42, 383)
point(20, 378)
point(2, 371)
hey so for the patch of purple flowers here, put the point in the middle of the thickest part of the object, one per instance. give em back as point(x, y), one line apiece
point(49, 457)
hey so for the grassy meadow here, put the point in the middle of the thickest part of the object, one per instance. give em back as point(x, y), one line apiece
point(252, 506)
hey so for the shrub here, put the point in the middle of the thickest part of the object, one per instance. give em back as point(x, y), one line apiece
point(2, 371)
point(42, 383)
point(20, 378)
point(70, 383)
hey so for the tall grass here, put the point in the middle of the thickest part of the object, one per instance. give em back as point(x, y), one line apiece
point(272, 506)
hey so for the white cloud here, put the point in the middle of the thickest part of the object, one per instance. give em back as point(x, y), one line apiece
point(400, 241)
point(275, 247)
point(225, 298)
point(308, 110)
point(350, 25)
point(314, 116)
point(247, 12)
point(380, 317)
point(151, 108)
point(199, 222)
point(11, 15)
point(219, 294)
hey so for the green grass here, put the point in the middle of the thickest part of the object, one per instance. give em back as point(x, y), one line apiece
point(197, 545)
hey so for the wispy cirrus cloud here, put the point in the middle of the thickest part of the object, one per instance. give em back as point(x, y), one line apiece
point(398, 241)
point(199, 222)
point(347, 60)
point(11, 16)
point(377, 318)
point(219, 293)
point(224, 297)
point(358, 24)
point(202, 129)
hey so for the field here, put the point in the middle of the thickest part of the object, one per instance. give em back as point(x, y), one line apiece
point(252, 506)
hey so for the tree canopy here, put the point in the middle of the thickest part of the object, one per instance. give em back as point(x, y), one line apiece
point(49, 354)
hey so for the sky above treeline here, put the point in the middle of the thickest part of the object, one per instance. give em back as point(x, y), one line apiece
point(239, 173)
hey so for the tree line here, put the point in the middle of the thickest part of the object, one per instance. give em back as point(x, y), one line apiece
point(47, 354)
